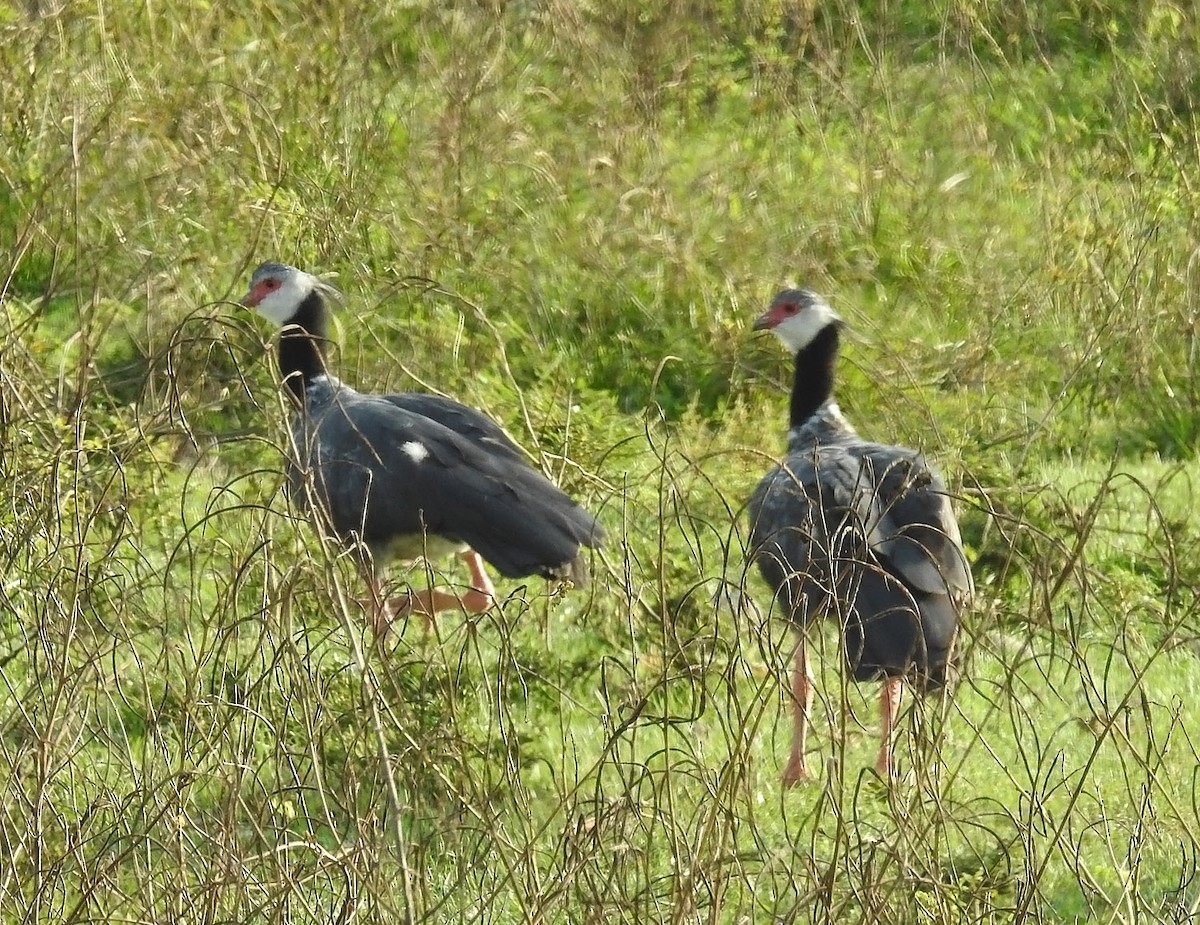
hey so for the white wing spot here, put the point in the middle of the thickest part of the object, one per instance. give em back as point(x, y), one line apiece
point(415, 451)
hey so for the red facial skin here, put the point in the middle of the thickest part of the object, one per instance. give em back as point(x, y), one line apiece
point(778, 313)
point(260, 291)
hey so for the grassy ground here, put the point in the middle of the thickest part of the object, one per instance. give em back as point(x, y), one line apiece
point(567, 214)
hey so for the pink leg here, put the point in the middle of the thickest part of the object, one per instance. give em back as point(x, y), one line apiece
point(482, 593)
point(803, 688)
point(889, 709)
point(428, 602)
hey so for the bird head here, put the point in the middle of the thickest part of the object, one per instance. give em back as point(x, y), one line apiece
point(796, 316)
point(277, 291)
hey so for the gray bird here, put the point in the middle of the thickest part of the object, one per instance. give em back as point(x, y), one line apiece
point(412, 475)
point(859, 532)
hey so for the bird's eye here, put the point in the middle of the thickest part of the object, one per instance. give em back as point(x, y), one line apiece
point(789, 308)
point(272, 284)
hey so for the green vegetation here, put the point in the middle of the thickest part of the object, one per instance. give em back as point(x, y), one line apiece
point(566, 213)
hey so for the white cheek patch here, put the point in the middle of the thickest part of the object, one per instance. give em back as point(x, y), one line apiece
point(798, 331)
point(415, 451)
point(280, 306)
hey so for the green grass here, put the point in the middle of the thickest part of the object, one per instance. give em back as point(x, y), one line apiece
point(567, 214)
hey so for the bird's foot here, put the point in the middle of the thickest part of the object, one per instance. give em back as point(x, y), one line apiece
point(428, 603)
point(403, 606)
point(477, 601)
point(385, 612)
point(796, 772)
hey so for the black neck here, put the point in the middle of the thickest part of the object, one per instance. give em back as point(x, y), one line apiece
point(301, 345)
point(813, 384)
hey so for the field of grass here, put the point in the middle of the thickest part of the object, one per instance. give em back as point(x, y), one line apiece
point(568, 213)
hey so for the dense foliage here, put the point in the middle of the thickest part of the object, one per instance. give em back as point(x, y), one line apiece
point(567, 213)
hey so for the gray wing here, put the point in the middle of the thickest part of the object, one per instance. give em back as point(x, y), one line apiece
point(384, 472)
point(913, 528)
point(915, 538)
point(805, 516)
point(462, 419)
